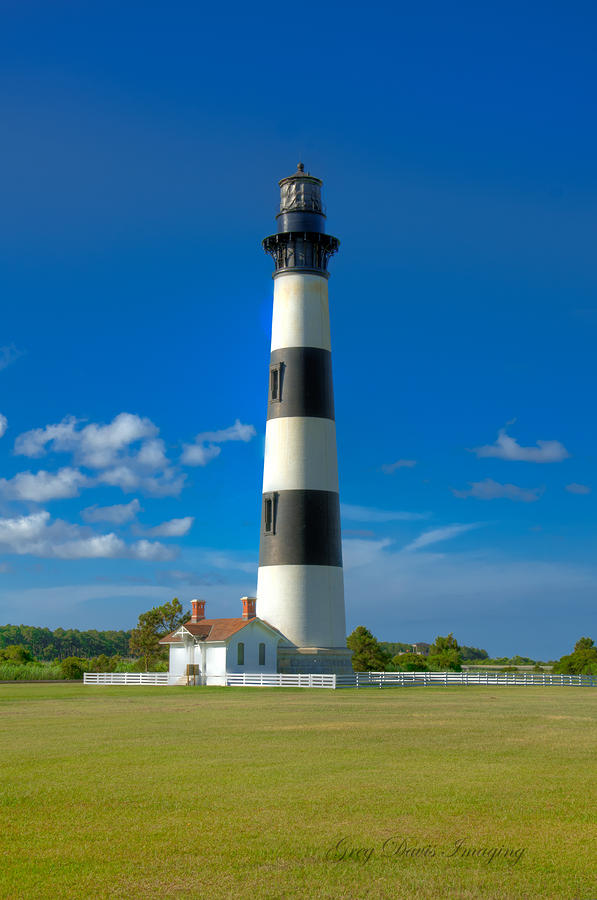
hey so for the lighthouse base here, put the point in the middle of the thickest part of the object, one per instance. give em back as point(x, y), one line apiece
point(314, 660)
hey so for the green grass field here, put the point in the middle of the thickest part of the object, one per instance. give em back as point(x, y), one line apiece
point(222, 792)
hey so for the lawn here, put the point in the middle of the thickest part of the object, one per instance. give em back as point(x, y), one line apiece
point(228, 792)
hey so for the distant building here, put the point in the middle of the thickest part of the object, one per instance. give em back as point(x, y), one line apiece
point(421, 648)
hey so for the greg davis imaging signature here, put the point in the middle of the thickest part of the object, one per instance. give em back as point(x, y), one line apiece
point(397, 848)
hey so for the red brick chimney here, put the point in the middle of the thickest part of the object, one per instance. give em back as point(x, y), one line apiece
point(197, 610)
point(248, 607)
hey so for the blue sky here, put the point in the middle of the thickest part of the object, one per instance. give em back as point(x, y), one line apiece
point(141, 148)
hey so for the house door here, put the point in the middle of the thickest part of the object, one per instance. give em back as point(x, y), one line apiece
point(193, 674)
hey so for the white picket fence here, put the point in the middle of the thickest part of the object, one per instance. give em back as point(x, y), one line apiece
point(407, 679)
point(155, 678)
point(278, 680)
point(357, 679)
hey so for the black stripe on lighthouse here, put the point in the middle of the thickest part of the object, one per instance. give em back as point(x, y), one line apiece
point(301, 383)
point(300, 528)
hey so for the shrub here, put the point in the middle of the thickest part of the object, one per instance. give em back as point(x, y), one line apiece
point(73, 667)
point(103, 663)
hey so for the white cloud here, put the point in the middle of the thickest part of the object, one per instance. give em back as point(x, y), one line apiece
point(236, 432)
point(43, 486)
point(109, 449)
point(198, 454)
point(22, 529)
point(3, 425)
point(128, 478)
point(108, 546)
point(152, 455)
point(575, 488)
point(101, 546)
point(100, 444)
point(150, 550)
point(126, 453)
point(493, 490)
point(118, 514)
point(204, 449)
point(34, 443)
point(357, 552)
point(173, 528)
point(8, 354)
point(389, 468)
point(368, 514)
point(36, 535)
point(94, 446)
point(440, 534)
point(506, 447)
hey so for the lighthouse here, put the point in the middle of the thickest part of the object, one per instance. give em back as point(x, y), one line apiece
point(300, 587)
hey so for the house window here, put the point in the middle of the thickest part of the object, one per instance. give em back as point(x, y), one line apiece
point(275, 382)
point(261, 654)
point(269, 513)
point(240, 654)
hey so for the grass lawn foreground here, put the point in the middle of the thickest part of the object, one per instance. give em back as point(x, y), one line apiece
point(138, 792)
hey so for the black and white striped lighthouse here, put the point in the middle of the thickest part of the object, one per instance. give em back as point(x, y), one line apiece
point(300, 587)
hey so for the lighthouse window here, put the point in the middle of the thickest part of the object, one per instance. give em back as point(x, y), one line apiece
point(261, 654)
point(269, 511)
point(275, 382)
point(240, 654)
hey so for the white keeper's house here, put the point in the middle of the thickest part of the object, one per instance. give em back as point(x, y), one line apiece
point(204, 650)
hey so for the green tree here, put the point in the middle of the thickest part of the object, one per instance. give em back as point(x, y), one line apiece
point(15, 653)
point(368, 654)
point(410, 662)
point(152, 625)
point(445, 654)
point(470, 653)
point(582, 661)
point(584, 643)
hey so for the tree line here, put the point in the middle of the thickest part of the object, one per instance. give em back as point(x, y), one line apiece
point(61, 643)
point(372, 655)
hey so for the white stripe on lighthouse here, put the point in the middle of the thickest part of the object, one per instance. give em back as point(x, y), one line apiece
point(301, 314)
point(306, 603)
point(300, 453)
